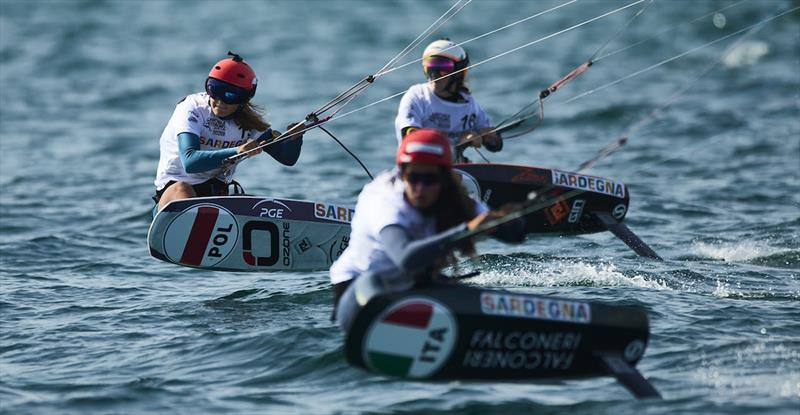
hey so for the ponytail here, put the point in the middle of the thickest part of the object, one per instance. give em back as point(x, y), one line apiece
point(249, 117)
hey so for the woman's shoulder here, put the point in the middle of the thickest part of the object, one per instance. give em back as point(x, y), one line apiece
point(386, 189)
point(198, 100)
point(418, 91)
point(381, 203)
point(384, 182)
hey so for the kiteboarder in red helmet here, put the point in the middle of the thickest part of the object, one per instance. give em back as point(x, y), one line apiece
point(402, 222)
point(208, 127)
point(445, 103)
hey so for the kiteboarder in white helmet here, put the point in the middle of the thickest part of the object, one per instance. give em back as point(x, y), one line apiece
point(445, 103)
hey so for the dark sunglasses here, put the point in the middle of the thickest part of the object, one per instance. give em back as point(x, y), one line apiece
point(425, 179)
point(225, 92)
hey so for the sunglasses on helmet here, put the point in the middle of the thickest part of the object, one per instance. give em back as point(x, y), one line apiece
point(225, 92)
point(435, 65)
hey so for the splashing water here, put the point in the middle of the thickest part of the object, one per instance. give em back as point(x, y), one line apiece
point(747, 53)
point(735, 251)
point(566, 273)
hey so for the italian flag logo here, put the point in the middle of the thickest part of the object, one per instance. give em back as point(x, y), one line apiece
point(412, 338)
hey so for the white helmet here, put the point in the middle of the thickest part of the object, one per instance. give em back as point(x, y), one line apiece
point(446, 48)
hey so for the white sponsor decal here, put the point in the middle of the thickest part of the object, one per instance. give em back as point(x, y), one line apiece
point(577, 210)
point(424, 148)
point(336, 213)
point(633, 350)
point(521, 350)
point(589, 183)
point(535, 307)
point(619, 211)
point(273, 212)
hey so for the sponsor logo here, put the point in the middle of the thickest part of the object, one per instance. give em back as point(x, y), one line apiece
point(577, 211)
point(531, 176)
point(210, 142)
point(633, 350)
point(271, 208)
point(304, 245)
point(343, 244)
point(412, 338)
point(524, 350)
point(619, 211)
point(285, 244)
point(557, 212)
point(487, 195)
point(271, 213)
point(440, 121)
point(470, 184)
point(216, 125)
point(260, 244)
point(201, 236)
point(333, 212)
point(512, 305)
point(589, 183)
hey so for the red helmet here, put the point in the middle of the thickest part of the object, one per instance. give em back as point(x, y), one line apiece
point(235, 71)
point(425, 145)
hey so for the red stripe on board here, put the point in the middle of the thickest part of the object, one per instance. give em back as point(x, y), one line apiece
point(414, 314)
point(202, 228)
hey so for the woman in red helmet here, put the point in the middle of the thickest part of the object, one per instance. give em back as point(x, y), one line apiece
point(446, 104)
point(403, 219)
point(208, 127)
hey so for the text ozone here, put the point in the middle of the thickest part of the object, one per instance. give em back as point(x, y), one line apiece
point(287, 259)
point(220, 238)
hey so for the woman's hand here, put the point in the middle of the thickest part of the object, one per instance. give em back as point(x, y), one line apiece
point(483, 217)
point(478, 138)
point(248, 146)
point(493, 214)
point(473, 139)
point(489, 135)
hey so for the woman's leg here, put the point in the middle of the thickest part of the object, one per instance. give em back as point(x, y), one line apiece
point(347, 309)
point(177, 191)
point(363, 289)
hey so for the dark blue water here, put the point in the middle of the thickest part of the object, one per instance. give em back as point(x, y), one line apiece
point(90, 323)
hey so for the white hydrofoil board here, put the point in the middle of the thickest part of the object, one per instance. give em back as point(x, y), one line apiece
point(247, 233)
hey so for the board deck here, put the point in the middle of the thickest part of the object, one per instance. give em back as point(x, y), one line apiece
point(457, 332)
point(498, 184)
point(246, 233)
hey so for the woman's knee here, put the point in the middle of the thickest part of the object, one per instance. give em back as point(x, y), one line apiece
point(176, 191)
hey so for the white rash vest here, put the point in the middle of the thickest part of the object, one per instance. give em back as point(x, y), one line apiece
point(194, 115)
point(421, 108)
point(380, 204)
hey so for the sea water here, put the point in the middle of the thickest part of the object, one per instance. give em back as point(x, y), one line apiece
point(90, 323)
